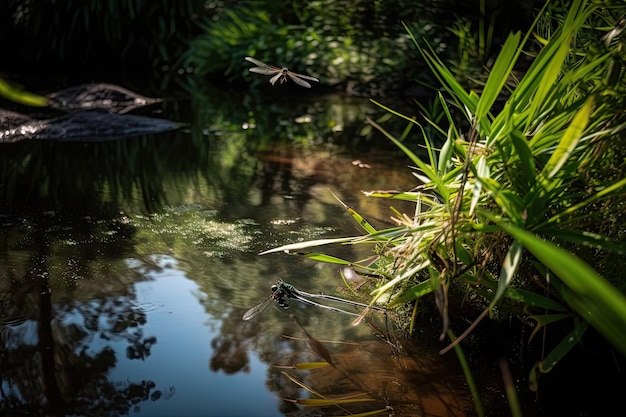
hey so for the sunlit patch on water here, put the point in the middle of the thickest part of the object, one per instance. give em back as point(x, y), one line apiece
point(283, 222)
point(310, 231)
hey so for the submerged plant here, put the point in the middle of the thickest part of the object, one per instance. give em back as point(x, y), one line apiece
point(521, 195)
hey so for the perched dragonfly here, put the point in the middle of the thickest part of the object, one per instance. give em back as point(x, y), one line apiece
point(283, 290)
point(280, 73)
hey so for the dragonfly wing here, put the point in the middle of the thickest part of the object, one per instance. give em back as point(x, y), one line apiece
point(257, 309)
point(256, 62)
point(339, 300)
point(304, 300)
point(262, 64)
point(298, 81)
point(276, 78)
point(306, 77)
point(264, 71)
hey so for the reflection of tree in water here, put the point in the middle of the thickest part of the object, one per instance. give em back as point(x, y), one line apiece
point(230, 348)
point(55, 359)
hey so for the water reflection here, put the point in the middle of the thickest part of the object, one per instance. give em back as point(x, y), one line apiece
point(126, 266)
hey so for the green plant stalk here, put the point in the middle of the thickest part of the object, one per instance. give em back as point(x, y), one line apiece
point(17, 95)
point(478, 405)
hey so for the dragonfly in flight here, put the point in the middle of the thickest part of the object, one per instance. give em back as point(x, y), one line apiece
point(280, 73)
point(283, 290)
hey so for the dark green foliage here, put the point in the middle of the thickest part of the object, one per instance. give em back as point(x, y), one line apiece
point(76, 37)
point(361, 46)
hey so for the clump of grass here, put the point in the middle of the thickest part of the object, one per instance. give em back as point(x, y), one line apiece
point(518, 192)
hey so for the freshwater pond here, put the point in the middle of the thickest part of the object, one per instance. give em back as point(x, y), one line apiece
point(126, 267)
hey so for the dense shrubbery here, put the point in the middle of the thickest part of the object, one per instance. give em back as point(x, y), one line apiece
point(76, 39)
point(360, 46)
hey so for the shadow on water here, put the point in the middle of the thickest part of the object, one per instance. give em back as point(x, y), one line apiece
point(126, 266)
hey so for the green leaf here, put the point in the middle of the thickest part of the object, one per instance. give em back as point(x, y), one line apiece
point(510, 202)
point(570, 139)
point(497, 78)
point(395, 195)
point(444, 75)
point(425, 168)
point(325, 258)
point(545, 319)
point(533, 299)
point(527, 162)
point(307, 244)
point(589, 239)
point(445, 155)
point(356, 216)
point(593, 297)
point(605, 192)
point(413, 293)
point(482, 171)
point(550, 361)
point(508, 270)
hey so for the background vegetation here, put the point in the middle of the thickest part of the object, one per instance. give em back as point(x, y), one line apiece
point(360, 46)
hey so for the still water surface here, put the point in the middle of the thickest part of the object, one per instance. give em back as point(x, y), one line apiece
point(125, 268)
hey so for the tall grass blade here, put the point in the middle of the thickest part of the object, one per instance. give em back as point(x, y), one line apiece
point(308, 244)
point(566, 344)
point(310, 365)
point(509, 269)
point(498, 76)
point(326, 258)
point(523, 152)
point(545, 319)
point(315, 344)
point(413, 293)
point(425, 168)
point(445, 77)
point(509, 388)
point(570, 139)
point(301, 384)
point(17, 95)
point(324, 402)
point(356, 216)
point(469, 378)
point(533, 299)
point(605, 192)
point(594, 298)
